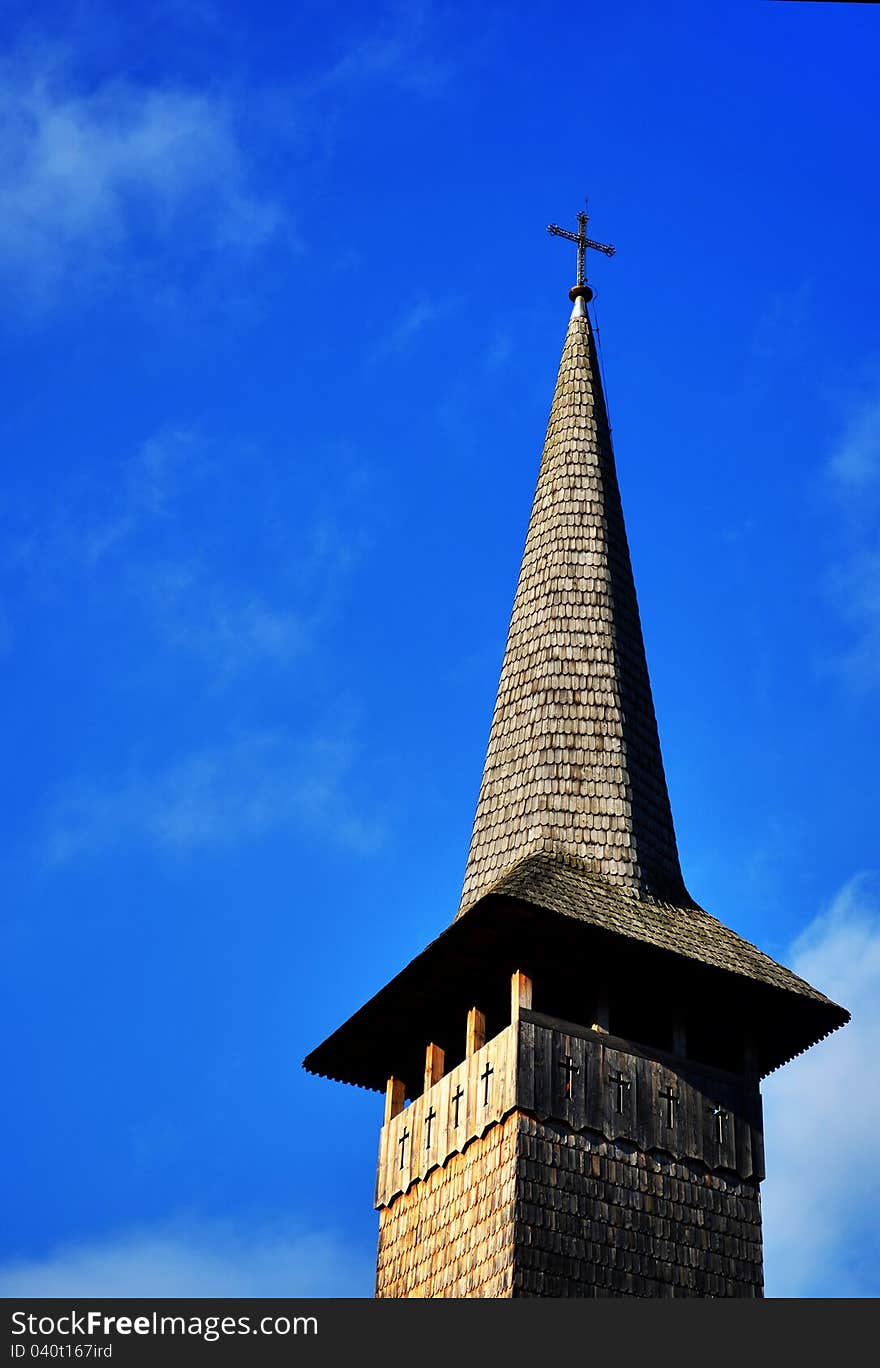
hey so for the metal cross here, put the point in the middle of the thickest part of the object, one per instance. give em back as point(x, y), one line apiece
point(429, 1121)
point(671, 1100)
point(456, 1097)
point(484, 1077)
point(583, 242)
point(720, 1120)
point(621, 1082)
point(402, 1142)
point(571, 1069)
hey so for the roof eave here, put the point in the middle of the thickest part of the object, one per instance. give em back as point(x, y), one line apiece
point(470, 962)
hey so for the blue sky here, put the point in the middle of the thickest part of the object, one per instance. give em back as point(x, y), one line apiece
point(280, 330)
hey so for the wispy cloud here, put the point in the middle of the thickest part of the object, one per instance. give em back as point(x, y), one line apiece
point(149, 536)
point(185, 1259)
point(244, 789)
point(854, 584)
point(406, 330)
point(231, 626)
point(96, 180)
point(853, 475)
point(822, 1193)
point(855, 463)
point(401, 46)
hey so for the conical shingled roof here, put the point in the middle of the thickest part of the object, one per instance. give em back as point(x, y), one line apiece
point(573, 858)
point(573, 766)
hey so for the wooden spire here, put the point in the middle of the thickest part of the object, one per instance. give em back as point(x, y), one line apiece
point(573, 766)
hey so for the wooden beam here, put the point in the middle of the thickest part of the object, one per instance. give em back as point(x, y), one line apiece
point(434, 1061)
point(476, 1031)
point(520, 994)
point(679, 1038)
point(395, 1098)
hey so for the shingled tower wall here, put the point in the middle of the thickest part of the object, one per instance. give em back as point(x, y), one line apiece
point(583, 1045)
point(543, 1180)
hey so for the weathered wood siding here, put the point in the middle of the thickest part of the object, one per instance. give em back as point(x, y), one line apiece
point(599, 1218)
point(639, 1111)
point(409, 1149)
point(571, 1174)
point(452, 1234)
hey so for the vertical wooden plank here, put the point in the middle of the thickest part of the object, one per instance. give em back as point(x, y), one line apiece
point(472, 1070)
point(504, 1063)
point(395, 1097)
point(712, 1151)
point(475, 1036)
point(669, 1117)
point(579, 1050)
point(543, 1071)
point(560, 1102)
point(412, 1151)
point(594, 1085)
point(729, 1100)
point(683, 1084)
point(643, 1102)
point(757, 1123)
point(620, 1103)
point(434, 1061)
point(381, 1167)
point(743, 1138)
point(520, 994)
point(397, 1171)
point(697, 1105)
point(440, 1147)
point(525, 1081)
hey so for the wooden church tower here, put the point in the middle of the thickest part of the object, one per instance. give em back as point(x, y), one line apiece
point(572, 1069)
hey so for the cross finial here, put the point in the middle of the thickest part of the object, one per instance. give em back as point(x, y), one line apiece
point(583, 242)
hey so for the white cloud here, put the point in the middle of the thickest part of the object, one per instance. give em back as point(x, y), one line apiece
point(208, 1260)
point(821, 1198)
point(251, 786)
point(93, 180)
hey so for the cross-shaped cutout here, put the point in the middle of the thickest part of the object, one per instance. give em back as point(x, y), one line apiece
point(721, 1117)
point(484, 1078)
point(571, 1069)
point(429, 1121)
point(402, 1143)
point(622, 1084)
point(456, 1102)
point(671, 1099)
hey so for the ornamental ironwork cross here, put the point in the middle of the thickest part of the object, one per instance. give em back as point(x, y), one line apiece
point(429, 1121)
point(583, 242)
point(571, 1069)
point(402, 1143)
point(484, 1078)
point(671, 1100)
point(621, 1083)
point(456, 1098)
point(720, 1120)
